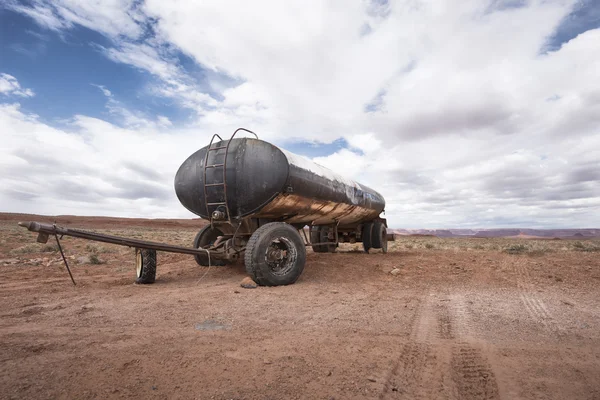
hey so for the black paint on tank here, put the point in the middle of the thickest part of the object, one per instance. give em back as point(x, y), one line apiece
point(257, 173)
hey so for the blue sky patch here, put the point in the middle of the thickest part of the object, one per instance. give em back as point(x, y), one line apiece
point(584, 16)
point(63, 69)
point(316, 149)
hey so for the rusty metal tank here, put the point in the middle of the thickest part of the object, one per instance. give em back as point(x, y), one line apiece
point(251, 178)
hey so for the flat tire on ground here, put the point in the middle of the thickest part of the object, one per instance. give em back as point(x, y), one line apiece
point(145, 266)
point(367, 236)
point(379, 236)
point(275, 255)
point(205, 238)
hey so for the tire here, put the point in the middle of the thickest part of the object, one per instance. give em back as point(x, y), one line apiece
point(265, 261)
point(379, 236)
point(145, 266)
point(367, 236)
point(321, 235)
point(205, 238)
point(315, 237)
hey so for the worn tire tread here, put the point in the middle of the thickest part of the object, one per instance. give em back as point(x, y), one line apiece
point(148, 274)
point(253, 270)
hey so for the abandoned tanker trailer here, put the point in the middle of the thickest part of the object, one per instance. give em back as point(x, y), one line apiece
point(258, 198)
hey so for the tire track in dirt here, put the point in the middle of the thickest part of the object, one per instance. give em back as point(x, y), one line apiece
point(445, 327)
point(536, 308)
point(539, 312)
point(405, 378)
point(436, 361)
point(472, 374)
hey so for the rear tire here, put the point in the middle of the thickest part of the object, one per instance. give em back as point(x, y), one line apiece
point(145, 268)
point(315, 237)
point(367, 234)
point(321, 235)
point(379, 236)
point(275, 255)
point(205, 238)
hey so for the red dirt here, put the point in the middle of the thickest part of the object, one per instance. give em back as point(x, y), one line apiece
point(451, 325)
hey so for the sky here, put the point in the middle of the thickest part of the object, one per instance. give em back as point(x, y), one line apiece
point(469, 114)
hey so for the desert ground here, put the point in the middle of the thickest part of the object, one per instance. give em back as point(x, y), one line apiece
point(432, 319)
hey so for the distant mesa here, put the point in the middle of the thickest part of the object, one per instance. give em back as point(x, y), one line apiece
point(523, 233)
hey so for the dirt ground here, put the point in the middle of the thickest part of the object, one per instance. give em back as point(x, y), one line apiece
point(458, 319)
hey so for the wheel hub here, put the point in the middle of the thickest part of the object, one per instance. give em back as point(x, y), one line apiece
point(280, 256)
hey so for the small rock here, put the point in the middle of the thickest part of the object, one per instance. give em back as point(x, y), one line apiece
point(395, 272)
point(371, 379)
point(82, 260)
point(329, 373)
point(236, 291)
point(267, 362)
point(211, 325)
point(248, 283)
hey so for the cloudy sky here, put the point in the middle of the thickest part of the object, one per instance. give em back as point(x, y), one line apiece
point(468, 113)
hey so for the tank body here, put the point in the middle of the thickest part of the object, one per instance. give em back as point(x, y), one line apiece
point(263, 181)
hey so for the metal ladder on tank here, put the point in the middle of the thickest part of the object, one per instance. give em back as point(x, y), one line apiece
point(223, 166)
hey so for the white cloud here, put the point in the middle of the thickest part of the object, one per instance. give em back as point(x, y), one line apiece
point(9, 85)
point(453, 108)
point(113, 18)
point(104, 90)
point(92, 167)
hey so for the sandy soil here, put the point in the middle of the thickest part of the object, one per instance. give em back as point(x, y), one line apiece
point(452, 324)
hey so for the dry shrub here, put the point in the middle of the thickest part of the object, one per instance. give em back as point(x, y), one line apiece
point(95, 260)
point(587, 246)
point(516, 249)
point(98, 249)
point(35, 248)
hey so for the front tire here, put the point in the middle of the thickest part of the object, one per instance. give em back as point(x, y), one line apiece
point(204, 239)
point(275, 255)
point(145, 266)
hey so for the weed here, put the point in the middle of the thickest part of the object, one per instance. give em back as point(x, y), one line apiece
point(516, 249)
point(50, 248)
point(96, 249)
point(95, 260)
point(34, 248)
point(590, 248)
point(429, 245)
